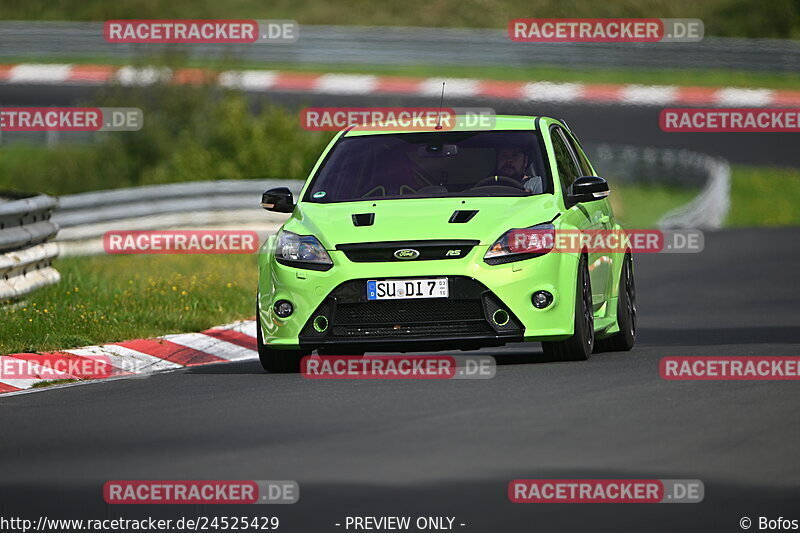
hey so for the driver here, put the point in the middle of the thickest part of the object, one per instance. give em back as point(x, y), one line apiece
point(512, 161)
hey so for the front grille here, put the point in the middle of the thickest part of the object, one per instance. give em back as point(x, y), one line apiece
point(408, 311)
point(379, 252)
point(444, 329)
point(466, 312)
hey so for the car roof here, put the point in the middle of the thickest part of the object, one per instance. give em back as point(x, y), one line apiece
point(501, 123)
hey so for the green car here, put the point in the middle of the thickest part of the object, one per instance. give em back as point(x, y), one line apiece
point(402, 241)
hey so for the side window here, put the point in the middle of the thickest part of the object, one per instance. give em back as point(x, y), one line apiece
point(568, 171)
point(586, 168)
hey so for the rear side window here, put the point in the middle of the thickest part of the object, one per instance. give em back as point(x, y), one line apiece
point(568, 171)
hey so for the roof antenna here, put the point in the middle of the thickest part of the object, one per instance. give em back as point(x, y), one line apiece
point(441, 102)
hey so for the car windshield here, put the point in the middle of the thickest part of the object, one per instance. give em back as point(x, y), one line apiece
point(428, 165)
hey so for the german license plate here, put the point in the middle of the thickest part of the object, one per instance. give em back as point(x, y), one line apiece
point(396, 289)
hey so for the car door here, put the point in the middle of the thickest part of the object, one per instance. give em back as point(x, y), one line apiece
point(587, 215)
point(605, 267)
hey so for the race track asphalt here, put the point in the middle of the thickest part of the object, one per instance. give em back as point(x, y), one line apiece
point(450, 447)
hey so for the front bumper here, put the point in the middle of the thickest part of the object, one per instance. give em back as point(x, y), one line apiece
point(470, 317)
point(464, 320)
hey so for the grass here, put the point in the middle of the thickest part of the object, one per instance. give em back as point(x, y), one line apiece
point(643, 76)
point(774, 18)
point(640, 207)
point(105, 299)
point(760, 197)
point(51, 382)
point(764, 197)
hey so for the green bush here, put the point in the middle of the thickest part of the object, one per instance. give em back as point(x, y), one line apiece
point(189, 134)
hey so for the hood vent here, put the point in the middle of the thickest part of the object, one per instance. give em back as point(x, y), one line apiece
point(460, 217)
point(364, 219)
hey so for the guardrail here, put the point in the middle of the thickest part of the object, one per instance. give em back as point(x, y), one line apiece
point(678, 168)
point(84, 218)
point(406, 46)
point(25, 253)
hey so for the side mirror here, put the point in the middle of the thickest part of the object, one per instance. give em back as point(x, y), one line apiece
point(588, 189)
point(278, 199)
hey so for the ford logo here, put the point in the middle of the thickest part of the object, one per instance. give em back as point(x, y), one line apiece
point(406, 253)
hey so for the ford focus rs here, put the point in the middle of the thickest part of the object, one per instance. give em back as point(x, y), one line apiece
point(405, 241)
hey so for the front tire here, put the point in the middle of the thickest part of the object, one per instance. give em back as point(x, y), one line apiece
point(578, 347)
point(277, 361)
point(625, 338)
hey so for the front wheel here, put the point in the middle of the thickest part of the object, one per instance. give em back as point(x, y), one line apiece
point(625, 338)
point(579, 346)
point(277, 361)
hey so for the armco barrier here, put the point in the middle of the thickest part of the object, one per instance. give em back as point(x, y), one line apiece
point(376, 45)
point(682, 169)
point(234, 204)
point(84, 218)
point(25, 253)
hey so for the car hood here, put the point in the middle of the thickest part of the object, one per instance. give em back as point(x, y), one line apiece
point(420, 219)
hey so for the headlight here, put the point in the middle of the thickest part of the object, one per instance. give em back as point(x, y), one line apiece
point(518, 244)
point(301, 251)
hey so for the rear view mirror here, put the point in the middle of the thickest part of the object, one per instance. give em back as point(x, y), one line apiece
point(588, 189)
point(278, 199)
point(437, 150)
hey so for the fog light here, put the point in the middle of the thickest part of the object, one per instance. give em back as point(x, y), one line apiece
point(321, 323)
point(283, 308)
point(541, 299)
point(500, 317)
